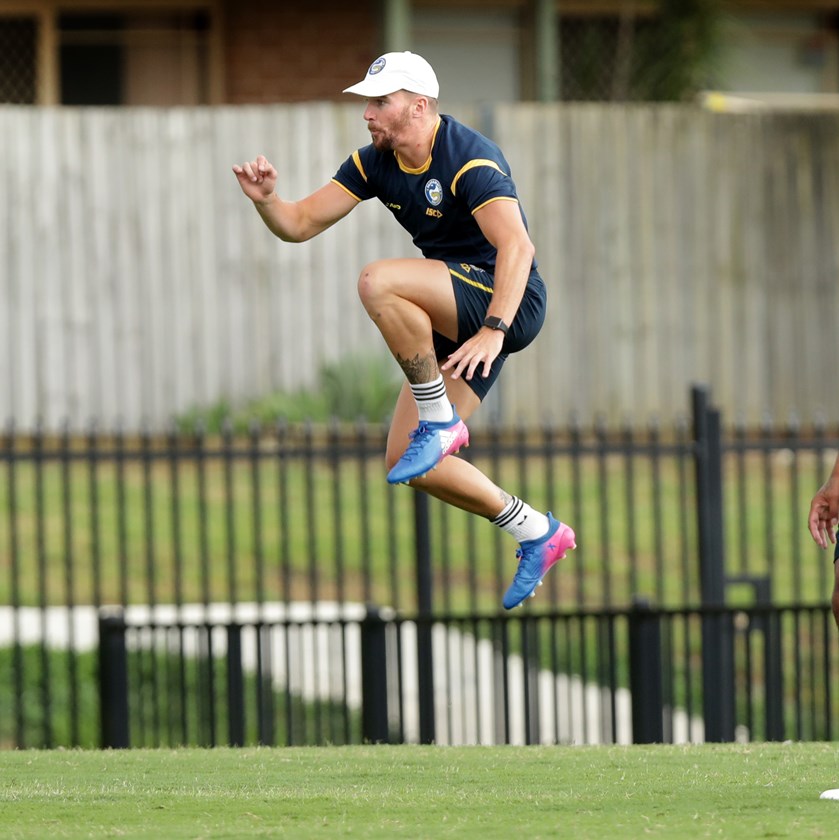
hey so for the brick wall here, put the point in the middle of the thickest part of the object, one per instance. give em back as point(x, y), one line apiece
point(291, 51)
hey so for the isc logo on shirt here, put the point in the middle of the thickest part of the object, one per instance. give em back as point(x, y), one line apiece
point(430, 211)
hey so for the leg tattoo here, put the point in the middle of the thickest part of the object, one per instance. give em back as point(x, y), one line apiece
point(419, 369)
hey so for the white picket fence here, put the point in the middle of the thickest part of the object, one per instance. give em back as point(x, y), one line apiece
point(678, 246)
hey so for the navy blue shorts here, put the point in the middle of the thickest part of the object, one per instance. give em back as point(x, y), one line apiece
point(473, 292)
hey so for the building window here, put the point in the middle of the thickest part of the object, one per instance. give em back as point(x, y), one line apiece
point(18, 47)
point(134, 59)
point(615, 58)
point(110, 57)
point(666, 52)
point(91, 59)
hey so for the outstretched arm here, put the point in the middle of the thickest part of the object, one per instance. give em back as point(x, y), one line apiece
point(291, 221)
point(824, 510)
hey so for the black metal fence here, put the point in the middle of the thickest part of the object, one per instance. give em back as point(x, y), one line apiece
point(277, 543)
point(611, 676)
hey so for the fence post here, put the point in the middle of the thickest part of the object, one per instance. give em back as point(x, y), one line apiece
point(768, 621)
point(773, 667)
point(530, 661)
point(645, 679)
point(374, 711)
point(425, 654)
point(235, 687)
point(717, 630)
point(113, 681)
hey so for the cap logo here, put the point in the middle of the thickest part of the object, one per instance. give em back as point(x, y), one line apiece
point(377, 66)
point(434, 192)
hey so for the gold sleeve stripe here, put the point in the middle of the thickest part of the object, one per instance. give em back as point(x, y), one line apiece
point(471, 165)
point(356, 157)
point(470, 281)
point(497, 198)
point(348, 192)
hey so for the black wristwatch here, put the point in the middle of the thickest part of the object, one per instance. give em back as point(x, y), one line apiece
point(496, 324)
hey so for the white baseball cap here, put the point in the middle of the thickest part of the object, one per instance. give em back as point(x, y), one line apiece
point(398, 71)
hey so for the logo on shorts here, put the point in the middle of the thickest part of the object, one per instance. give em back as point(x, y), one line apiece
point(377, 66)
point(434, 192)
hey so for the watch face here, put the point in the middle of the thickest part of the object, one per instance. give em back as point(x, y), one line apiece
point(495, 323)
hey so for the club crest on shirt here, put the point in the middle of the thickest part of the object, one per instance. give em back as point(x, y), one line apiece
point(377, 66)
point(434, 192)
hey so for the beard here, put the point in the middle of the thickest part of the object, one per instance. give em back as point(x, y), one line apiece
point(386, 140)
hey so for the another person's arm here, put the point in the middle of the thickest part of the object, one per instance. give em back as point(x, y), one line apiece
point(824, 510)
point(291, 221)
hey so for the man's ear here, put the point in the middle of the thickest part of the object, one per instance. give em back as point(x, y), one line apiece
point(420, 106)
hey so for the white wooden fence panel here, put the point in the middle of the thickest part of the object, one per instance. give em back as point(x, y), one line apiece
point(678, 246)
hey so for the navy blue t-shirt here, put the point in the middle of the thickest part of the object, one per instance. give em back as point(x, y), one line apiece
point(436, 202)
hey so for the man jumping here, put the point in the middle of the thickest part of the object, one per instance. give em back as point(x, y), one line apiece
point(451, 317)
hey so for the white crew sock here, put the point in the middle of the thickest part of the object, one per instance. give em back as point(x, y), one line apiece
point(522, 521)
point(432, 401)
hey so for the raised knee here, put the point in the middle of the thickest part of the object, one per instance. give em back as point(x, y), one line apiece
point(372, 281)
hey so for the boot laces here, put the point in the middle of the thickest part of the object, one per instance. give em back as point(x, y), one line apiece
point(417, 437)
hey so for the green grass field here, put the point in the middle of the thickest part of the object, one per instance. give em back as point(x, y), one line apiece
point(731, 791)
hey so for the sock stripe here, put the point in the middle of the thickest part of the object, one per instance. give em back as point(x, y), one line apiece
point(509, 513)
point(427, 391)
point(432, 401)
point(521, 521)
